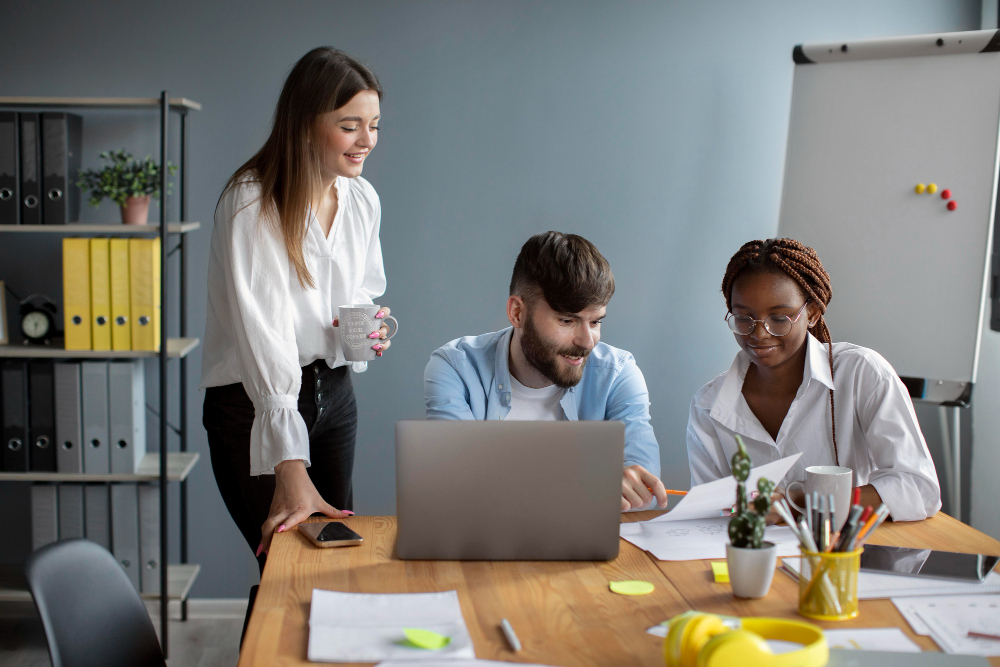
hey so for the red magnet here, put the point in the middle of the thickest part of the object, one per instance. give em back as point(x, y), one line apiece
point(952, 205)
point(946, 194)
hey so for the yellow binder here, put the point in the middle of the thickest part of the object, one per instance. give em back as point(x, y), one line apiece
point(100, 294)
point(121, 323)
point(76, 293)
point(144, 268)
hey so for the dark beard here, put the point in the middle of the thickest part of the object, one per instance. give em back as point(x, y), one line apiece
point(543, 356)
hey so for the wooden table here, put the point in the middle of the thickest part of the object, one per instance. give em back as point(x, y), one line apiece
point(563, 612)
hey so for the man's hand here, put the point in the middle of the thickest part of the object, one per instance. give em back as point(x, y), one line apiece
point(639, 486)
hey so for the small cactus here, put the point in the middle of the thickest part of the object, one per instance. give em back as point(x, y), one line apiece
point(746, 527)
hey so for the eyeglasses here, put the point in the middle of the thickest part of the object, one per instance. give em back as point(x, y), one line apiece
point(776, 325)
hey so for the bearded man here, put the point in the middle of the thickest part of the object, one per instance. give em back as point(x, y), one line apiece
point(550, 364)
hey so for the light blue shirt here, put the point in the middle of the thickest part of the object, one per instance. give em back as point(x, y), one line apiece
point(469, 379)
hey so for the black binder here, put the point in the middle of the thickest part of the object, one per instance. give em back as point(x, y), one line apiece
point(14, 379)
point(42, 416)
point(31, 181)
point(61, 136)
point(10, 172)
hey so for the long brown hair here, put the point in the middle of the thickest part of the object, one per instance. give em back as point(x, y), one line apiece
point(801, 263)
point(287, 166)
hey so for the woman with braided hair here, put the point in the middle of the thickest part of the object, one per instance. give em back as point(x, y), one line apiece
point(792, 389)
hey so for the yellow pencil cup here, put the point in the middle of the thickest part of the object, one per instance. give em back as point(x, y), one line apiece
point(828, 585)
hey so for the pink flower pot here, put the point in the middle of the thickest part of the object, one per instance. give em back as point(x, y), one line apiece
point(136, 210)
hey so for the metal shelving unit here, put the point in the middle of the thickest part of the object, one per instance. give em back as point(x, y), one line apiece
point(175, 580)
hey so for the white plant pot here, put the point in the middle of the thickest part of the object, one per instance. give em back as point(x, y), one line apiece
point(751, 570)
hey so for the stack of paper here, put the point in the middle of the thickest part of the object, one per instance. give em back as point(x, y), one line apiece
point(693, 530)
point(874, 585)
point(948, 619)
point(360, 627)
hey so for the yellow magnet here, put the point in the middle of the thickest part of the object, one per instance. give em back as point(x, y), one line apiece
point(931, 188)
point(721, 571)
point(632, 587)
point(426, 639)
point(920, 188)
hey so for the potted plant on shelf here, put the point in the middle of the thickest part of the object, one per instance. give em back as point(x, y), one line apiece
point(127, 182)
point(751, 560)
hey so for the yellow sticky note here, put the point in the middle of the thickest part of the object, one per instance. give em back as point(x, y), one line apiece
point(632, 587)
point(721, 571)
point(426, 639)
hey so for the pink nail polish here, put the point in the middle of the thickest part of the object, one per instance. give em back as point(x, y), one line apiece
point(379, 314)
point(378, 354)
point(259, 549)
point(374, 334)
point(281, 528)
point(347, 512)
point(376, 347)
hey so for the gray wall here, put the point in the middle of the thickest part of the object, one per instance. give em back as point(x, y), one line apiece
point(655, 129)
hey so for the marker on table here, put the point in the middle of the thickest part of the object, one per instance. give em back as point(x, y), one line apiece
point(508, 632)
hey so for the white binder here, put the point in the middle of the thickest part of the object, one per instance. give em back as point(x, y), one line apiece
point(44, 514)
point(149, 537)
point(127, 410)
point(69, 428)
point(97, 514)
point(94, 401)
point(125, 529)
point(70, 511)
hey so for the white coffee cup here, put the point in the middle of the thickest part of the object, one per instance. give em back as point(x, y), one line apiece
point(827, 480)
point(357, 323)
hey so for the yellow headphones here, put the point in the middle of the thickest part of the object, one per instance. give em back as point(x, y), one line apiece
point(695, 639)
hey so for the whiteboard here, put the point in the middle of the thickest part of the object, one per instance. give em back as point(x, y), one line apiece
point(870, 120)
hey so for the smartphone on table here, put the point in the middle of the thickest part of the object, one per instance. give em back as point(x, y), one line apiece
point(333, 534)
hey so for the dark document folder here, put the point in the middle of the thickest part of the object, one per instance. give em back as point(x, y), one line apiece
point(10, 172)
point(61, 136)
point(31, 171)
point(15, 416)
point(42, 416)
point(69, 421)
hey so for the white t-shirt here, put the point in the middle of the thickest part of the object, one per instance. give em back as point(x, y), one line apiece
point(538, 405)
point(263, 326)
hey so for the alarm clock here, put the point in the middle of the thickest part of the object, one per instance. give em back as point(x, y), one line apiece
point(38, 322)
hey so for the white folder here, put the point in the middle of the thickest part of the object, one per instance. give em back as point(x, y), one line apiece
point(96, 458)
point(70, 511)
point(97, 514)
point(127, 410)
point(44, 514)
point(69, 428)
point(149, 537)
point(125, 529)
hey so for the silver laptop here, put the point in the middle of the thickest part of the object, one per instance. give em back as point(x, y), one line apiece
point(497, 490)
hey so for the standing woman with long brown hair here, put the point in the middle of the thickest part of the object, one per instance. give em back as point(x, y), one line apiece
point(296, 236)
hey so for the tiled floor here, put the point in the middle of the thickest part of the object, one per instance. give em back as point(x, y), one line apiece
point(209, 638)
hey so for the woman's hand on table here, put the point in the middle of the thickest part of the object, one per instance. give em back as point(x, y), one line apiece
point(295, 500)
point(383, 342)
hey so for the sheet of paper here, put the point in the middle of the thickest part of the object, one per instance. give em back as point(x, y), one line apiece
point(948, 619)
point(458, 663)
point(875, 585)
point(697, 539)
point(708, 500)
point(361, 627)
point(871, 639)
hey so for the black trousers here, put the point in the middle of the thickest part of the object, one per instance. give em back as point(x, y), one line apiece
point(326, 403)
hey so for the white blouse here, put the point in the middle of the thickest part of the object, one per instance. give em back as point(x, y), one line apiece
point(878, 435)
point(263, 326)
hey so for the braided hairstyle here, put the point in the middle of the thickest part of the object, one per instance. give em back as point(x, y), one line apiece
point(801, 263)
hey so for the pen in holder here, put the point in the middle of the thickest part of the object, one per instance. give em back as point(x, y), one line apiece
point(828, 585)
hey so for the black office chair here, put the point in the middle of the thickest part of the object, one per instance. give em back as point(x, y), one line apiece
point(92, 614)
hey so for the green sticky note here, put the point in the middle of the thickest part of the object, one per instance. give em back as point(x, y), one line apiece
point(426, 639)
point(720, 569)
point(632, 587)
